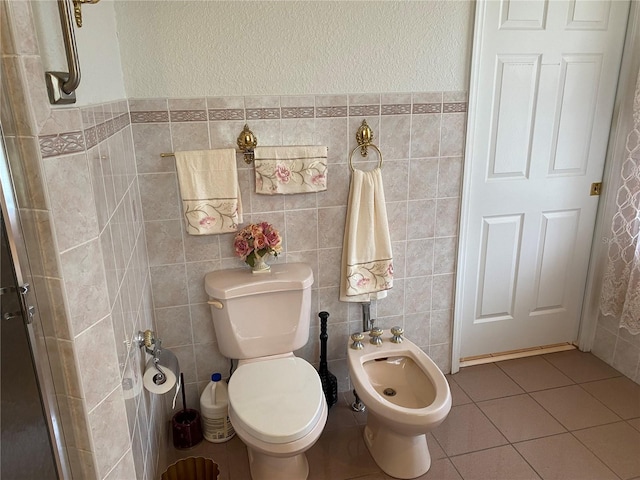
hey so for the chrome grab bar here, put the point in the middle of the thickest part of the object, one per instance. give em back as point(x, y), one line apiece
point(61, 86)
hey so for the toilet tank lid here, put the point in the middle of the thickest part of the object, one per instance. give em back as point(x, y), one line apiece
point(225, 284)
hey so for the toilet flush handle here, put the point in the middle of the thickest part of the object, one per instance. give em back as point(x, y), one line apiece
point(216, 304)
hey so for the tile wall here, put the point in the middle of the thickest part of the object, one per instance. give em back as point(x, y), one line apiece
point(421, 137)
point(76, 188)
point(617, 347)
point(89, 168)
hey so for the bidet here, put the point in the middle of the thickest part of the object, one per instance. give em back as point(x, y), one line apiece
point(406, 396)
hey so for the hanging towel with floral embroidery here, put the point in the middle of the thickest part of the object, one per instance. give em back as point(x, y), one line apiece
point(286, 170)
point(367, 262)
point(209, 189)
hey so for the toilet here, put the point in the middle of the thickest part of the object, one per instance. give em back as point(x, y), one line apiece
point(276, 403)
point(406, 396)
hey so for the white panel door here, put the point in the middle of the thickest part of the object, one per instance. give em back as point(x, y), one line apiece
point(543, 84)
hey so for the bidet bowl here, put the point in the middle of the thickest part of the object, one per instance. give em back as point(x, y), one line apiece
point(422, 397)
point(400, 381)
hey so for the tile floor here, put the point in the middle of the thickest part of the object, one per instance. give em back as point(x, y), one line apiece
point(561, 416)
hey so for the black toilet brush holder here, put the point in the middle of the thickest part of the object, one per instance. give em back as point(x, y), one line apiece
point(328, 380)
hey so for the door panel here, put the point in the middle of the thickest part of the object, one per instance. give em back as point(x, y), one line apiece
point(518, 15)
point(574, 112)
point(588, 15)
point(516, 86)
point(544, 78)
point(557, 237)
point(499, 258)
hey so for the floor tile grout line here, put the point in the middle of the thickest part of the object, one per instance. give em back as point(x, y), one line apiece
point(497, 364)
point(454, 467)
point(512, 444)
point(567, 430)
point(560, 422)
point(600, 402)
point(594, 453)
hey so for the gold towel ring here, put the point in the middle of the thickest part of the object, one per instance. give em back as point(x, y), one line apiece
point(364, 137)
point(357, 148)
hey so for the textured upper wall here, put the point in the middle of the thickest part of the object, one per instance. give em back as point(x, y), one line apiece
point(195, 48)
point(98, 49)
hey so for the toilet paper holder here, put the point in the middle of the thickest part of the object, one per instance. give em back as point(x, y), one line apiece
point(153, 346)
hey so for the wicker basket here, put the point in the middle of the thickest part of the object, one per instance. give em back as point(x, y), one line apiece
point(192, 468)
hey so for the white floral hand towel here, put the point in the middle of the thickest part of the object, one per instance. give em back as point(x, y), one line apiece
point(209, 188)
point(367, 262)
point(286, 170)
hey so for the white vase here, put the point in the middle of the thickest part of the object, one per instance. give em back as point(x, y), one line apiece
point(260, 264)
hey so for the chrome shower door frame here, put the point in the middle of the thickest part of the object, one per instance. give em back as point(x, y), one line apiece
point(15, 241)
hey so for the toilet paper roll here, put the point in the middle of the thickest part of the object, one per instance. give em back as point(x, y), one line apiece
point(170, 367)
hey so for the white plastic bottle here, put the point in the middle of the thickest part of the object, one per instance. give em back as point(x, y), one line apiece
point(214, 408)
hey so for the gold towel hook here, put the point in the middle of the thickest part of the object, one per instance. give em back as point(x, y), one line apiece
point(364, 137)
point(77, 10)
point(247, 141)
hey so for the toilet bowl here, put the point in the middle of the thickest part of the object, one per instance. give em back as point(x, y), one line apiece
point(276, 403)
point(277, 408)
point(406, 395)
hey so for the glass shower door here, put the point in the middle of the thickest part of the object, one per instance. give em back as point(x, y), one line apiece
point(25, 446)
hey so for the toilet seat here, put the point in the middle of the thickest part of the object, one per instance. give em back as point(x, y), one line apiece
point(278, 400)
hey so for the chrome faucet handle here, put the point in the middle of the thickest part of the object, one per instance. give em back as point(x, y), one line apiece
point(397, 334)
point(357, 341)
point(376, 334)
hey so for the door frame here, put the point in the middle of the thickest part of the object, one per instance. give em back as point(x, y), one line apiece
point(610, 177)
point(590, 306)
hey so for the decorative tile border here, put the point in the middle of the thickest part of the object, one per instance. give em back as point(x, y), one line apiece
point(109, 127)
point(330, 112)
point(78, 141)
point(297, 112)
point(90, 137)
point(74, 142)
point(457, 107)
point(263, 113)
point(364, 110)
point(419, 108)
point(396, 109)
point(61, 144)
point(272, 113)
point(121, 121)
point(188, 115)
point(226, 114)
point(150, 117)
point(101, 132)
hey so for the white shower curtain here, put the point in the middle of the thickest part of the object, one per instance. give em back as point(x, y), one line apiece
point(621, 286)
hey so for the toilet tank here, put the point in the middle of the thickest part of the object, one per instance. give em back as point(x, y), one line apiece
point(260, 314)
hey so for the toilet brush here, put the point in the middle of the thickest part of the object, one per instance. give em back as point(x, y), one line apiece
point(187, 428)
point(328, 380)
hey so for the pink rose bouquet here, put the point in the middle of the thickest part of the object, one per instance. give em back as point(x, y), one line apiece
point(255, 241)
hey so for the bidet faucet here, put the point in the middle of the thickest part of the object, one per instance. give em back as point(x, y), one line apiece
point(397, 334)
point(357, 341)
point(376, 334)
point(367, 322)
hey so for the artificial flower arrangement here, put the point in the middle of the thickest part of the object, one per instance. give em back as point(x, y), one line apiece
point(256, 241)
